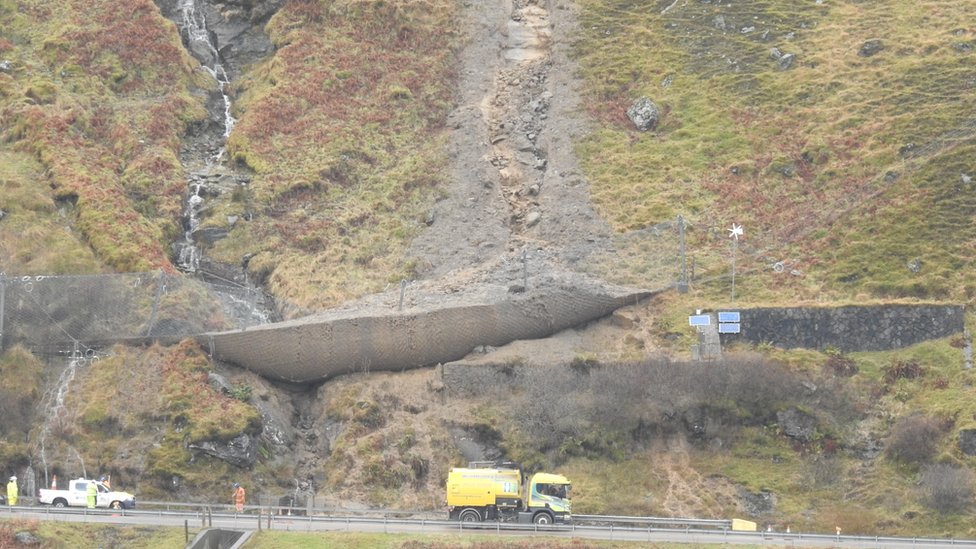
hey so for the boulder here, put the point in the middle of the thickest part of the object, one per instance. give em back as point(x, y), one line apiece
point(26, 538)
point(786, 61)
point(870, 48)
point(218, 383)
point(644, 114)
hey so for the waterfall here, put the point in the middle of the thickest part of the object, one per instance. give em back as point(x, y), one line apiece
point(204, 47)
point(210, 178)
point(202, 44)
point(52, 404)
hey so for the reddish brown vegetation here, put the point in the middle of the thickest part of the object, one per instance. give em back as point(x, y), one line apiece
point(902, 369)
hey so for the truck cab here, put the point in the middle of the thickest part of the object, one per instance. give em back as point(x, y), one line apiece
point(547, 500)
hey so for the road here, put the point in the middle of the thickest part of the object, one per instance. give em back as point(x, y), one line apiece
point(229, 521)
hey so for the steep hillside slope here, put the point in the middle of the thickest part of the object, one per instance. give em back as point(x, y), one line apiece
point(436, 145)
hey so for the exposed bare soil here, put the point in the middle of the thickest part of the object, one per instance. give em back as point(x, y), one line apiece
point(516, 186)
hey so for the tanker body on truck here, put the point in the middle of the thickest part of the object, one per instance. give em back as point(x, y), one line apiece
point(499, 491)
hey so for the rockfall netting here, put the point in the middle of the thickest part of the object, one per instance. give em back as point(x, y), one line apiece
point(330, 344)
point(54, 314)
point(524, 296)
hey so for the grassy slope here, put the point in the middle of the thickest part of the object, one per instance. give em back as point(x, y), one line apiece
point(64, 535)
point(798, 156)
point(93, 112)
point(341, 127)
point(847, 167)
point(810, 148)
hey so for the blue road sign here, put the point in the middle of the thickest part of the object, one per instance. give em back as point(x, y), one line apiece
point(728, 328)
point(699, 320)
point(728, 316)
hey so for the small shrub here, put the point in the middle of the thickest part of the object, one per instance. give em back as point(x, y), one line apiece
point(368, 414)
point(902, 369)
point(582, 364)
point(946, 488)
point(840, 365)
point(913, 439)
point(241, 393)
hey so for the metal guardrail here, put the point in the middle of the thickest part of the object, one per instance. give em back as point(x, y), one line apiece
point(683, 522)
point(718, 532)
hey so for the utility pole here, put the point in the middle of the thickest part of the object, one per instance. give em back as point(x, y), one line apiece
point(683, 281)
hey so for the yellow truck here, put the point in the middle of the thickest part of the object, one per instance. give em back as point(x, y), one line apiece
point(499, 491)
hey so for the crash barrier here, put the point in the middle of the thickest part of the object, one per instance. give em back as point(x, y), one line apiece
point(581, 525)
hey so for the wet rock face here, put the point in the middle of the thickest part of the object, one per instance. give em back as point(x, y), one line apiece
point(236, 28)
point(241, 451)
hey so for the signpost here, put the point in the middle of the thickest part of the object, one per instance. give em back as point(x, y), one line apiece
point(734, 233)
point(728, 322)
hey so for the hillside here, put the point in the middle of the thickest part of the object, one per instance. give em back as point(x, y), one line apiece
point(329, 150)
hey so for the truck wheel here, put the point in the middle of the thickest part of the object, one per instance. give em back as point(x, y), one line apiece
point(116, 505)
point(542, 518)
point(60, 503)
point(470, 515)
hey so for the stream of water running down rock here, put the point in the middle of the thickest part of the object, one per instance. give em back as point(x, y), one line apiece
point(202, 45)
point(52, 408)
point(207, 33)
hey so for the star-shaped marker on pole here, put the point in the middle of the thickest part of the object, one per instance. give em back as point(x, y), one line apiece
point(735, 232)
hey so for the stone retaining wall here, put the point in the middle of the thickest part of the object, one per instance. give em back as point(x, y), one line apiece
point(849, 329)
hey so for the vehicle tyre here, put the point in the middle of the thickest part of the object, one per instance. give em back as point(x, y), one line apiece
point(542, 518)
point(60, 503)
point(116, 505)
point(470, 515)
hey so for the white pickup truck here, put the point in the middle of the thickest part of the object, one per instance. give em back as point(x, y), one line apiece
point(77, 496)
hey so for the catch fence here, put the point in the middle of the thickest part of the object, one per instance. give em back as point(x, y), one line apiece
point(54, 314)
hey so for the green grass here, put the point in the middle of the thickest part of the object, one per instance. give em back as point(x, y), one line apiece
point(350, 540)
point(98, 98)
point(64, 535)
point(342, 127)
point(798, 157)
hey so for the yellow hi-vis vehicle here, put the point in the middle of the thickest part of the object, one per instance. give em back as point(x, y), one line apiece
point(498, 491)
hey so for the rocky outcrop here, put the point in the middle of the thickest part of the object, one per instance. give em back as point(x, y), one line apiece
point(241, 451)
point(237, 28)
point(797, 424)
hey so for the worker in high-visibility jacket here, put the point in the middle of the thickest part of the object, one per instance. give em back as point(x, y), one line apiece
point(92, 494)
point(239, 497)
point(12, 491)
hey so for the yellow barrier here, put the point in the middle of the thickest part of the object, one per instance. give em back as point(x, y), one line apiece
point(740, 525)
